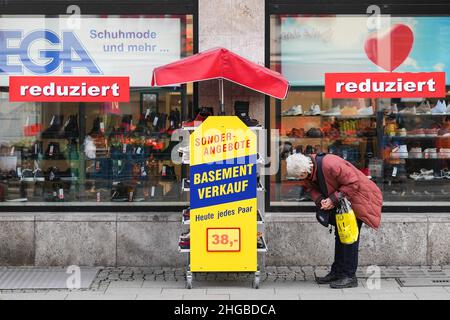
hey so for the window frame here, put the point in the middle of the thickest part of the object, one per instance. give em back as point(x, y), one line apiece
point(104, 7)
point(393, 7)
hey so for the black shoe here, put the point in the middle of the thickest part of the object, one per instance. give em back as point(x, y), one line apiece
point(342, 283)
point(241, 109)
point(54, 129)
point(329, 278)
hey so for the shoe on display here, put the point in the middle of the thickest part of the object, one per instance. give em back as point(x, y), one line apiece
point(430, 153)
point(286, 150)
point(27, 175)
point(119, 193)
point(391, 110)
point(444, 132)
point(186, 236)
point(53, 174)
point(334, 111)
point(168, 173)
point(314, 110)
point(366, 111)
point(187, 214)
point(184, 244)
point(349, 111)
point(314, 133)
point(444, 153)
point(89, 147)
point(37, 150)
point(54, 128)
point(141, 127)
point(439, 108)
point(184, 153)
point(391, 129)
point(416, 153)
point(39, 175)
point(70, 129)
point(293, 111)
point(342, 283)
point(260, 241)
point(403, 151)
point(174, 119)
point(424, 108)
point(309, 149)
point(408, 110)
point(53, 151)
point(445, 173)
point(447, 110)
point(241, 109)
point(204, 113)
point(401, 132)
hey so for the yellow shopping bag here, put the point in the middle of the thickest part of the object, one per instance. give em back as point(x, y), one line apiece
point(346, 222)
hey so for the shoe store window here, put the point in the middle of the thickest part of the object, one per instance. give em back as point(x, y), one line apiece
point(401, 144)
point(97, 153)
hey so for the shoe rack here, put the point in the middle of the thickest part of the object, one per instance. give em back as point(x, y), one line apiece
point(416, 145)
point(351, 135)
point(185, 216)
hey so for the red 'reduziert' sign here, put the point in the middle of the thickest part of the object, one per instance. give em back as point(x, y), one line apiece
point(385, 85)
point(69, 89)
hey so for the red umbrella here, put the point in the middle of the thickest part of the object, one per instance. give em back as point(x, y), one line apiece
point(220, 63)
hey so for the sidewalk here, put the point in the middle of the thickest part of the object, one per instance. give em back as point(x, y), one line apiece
point(281, 283)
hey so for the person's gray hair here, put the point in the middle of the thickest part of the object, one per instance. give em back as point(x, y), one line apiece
point(297, 163)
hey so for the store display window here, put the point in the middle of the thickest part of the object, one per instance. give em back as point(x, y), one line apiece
point(99, 153)
point(400, 143)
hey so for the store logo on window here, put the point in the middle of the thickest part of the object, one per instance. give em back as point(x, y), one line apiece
point(43, 52)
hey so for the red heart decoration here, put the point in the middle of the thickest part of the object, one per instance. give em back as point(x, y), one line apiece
point(390, 50)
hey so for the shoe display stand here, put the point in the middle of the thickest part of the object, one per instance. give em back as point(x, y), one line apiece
point(261, 248)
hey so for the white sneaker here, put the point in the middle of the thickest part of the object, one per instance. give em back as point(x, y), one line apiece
point(334, 111)
point(448, 108)
point(293, 111)
point(314, 110)
point(366, 111)
point(430, 153)
point(440, 107)
point(416, 176)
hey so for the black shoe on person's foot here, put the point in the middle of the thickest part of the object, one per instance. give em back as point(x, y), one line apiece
point(329, 278)
point(347, 282)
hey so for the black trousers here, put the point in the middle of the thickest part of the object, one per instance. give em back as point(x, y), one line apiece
point(345, 255)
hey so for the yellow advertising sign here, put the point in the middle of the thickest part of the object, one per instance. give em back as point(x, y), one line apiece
point(223, 196)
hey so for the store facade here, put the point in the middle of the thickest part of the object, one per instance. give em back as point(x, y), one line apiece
point(93, 183)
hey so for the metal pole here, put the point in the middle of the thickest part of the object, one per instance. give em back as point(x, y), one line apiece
point(222, 99)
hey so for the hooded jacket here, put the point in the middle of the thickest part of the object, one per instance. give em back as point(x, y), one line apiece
point(345, 180)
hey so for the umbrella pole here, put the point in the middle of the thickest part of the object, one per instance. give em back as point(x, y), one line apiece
point(222, 99)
